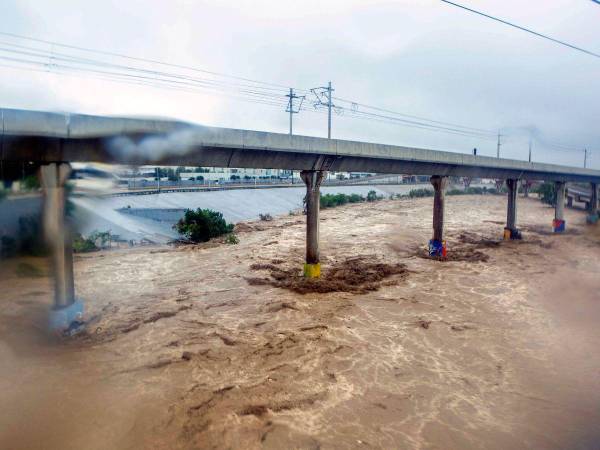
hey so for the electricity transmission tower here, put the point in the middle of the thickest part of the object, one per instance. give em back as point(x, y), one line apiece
point(323, 98)
point(291, 108)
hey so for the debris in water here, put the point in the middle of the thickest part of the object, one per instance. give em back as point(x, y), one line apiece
point(357, 275)
point(424, 323)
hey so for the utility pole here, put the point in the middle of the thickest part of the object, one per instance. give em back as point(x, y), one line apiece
point(324, 98)
point(585, 153)
point(292, 110)
point(290, 106)
point(498, 147)
point(529, 150)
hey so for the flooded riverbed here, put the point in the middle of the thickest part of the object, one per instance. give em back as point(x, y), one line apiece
point(183, 351)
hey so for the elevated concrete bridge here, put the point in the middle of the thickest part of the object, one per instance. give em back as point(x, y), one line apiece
point(51, 137)
point(53, 140)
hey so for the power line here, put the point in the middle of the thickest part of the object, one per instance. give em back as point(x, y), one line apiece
point(67, 63)
point(67, 58)
point(157, 81)
point(142, 82)
point(415, 124)
point(64, 63)
point(356, 105)
point(497, 19)
point(399, 122)
point(159, 78)
point(134, 58)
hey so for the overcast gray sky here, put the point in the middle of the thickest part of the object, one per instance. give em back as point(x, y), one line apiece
point(423, 58)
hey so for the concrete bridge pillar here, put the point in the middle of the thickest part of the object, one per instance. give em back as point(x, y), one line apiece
point(437, 245)
point(313, 180)
point(526, 187)
point(593, 206)
point(511, 231)
point(66, 310)
point(559, 225)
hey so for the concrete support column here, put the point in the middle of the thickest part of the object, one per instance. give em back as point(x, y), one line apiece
point(437, 245)
point(593, 209)
point(558, 225)
point(526, 186)
point(66, 310)
point(511, 231)
point(312, 179)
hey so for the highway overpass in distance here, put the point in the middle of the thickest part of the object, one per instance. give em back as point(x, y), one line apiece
point(53, 140)
point(63, 137)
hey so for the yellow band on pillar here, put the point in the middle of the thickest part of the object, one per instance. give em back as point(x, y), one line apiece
point(507, 234)
point(312, 270)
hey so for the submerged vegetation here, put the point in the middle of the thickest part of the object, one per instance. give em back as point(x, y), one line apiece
point(232, 239)
point(333, 200)
point(547, 193)
point(473, 191)
point(419, 193)
point(95, 241)
point(202, 225)
point(424, 192)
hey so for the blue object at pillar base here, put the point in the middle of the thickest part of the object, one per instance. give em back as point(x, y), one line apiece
point(68, 319)
point(437, 248)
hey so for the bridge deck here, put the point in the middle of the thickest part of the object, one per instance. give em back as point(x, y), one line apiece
point(44, 136)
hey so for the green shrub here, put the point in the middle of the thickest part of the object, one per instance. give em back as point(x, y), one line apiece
point(232, 239)
point(547, 192)
point(202, 225)
point(95, 241)
point(419, 193)
point(100, 236)
point(469, 191)
point(31, 183)
point(83, 245)
point(355, 198)
point(475, 190)
point(332, 200)
point(372, 196)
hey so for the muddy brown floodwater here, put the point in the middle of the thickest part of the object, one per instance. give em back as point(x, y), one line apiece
point(224, 346)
